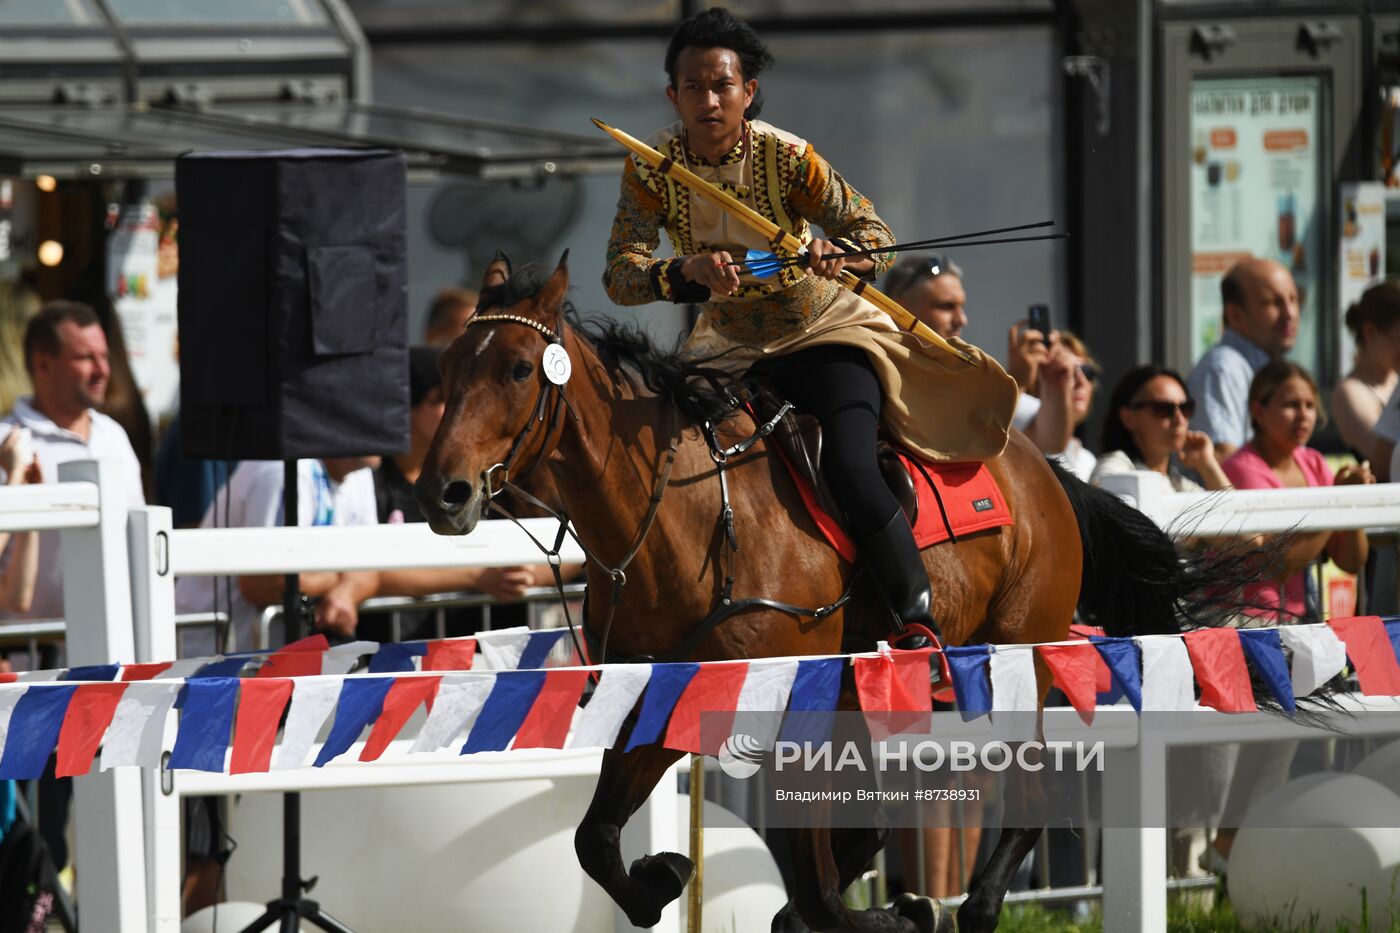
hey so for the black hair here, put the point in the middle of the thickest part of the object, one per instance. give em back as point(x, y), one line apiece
point(41, 334)
point(717, 28)
point(1116, 436)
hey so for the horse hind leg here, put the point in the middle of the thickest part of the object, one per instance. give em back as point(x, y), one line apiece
point(653, 881)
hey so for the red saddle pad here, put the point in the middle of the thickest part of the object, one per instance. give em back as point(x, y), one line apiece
point(964, 498)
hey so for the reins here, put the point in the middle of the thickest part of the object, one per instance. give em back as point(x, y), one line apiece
point(727, 606)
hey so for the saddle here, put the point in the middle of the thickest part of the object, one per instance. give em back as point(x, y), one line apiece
point(942, 501)
point(799, 441)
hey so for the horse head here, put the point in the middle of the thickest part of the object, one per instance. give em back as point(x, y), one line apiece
point(501, 405)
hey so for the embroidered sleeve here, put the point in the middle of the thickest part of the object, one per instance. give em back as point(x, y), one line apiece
point(634, 276)
point(822, 196)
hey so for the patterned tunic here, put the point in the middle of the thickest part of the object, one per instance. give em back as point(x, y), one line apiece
point(777, 174)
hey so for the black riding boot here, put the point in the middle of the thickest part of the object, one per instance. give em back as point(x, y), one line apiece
point(900, 576)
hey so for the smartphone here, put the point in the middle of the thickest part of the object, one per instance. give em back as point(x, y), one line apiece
point(1038, 318)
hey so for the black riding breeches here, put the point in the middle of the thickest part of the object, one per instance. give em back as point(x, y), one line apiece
point(837, 385)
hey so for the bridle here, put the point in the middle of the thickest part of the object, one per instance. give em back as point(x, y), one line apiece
point(548, 391)
point(727, 606)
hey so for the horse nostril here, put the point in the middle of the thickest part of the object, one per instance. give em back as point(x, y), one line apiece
point(456, 493)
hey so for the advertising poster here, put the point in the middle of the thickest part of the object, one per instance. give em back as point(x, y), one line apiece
point(142, 283)
point(1361, 260)
point(1255, 173)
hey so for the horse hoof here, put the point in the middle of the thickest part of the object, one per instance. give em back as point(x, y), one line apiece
point(927, 914)
point(662, 877)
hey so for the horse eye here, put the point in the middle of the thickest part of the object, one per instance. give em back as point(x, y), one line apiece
point(522, 371)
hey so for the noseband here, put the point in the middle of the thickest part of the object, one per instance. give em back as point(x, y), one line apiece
point(497, 476)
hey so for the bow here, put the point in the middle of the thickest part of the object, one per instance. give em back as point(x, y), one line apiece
point(776, 236)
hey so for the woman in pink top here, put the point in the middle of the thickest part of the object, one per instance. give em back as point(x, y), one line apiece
point(1283, 410)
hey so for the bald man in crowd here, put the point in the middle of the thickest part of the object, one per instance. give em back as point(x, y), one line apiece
point(1261, 324)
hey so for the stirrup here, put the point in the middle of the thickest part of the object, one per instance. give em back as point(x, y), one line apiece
point(914, 637)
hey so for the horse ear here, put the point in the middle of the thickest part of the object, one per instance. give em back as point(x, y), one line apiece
point(551, 297)
point(497, 271)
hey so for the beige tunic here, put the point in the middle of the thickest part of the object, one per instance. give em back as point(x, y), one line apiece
point(934, 403)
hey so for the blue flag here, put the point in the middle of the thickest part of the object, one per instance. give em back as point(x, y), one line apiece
point(1263, 647)
point(34, 727)
point(968, 664)
point(504, 710)
point(360, 702)
point(812, 703)
point(206, 724)
point(668, 682)
point(1124, 661)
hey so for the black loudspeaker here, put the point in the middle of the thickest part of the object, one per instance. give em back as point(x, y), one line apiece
point(292, 304)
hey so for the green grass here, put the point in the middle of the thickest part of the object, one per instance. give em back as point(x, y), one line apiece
point(1190, 913)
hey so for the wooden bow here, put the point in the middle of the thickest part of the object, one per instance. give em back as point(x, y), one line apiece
point(776, 236)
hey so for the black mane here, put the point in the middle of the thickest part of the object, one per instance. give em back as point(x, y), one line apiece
point(699, 391)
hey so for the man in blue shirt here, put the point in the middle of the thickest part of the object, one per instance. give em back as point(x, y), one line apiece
point(1261, 323)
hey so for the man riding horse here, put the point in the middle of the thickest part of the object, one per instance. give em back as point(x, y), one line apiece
point(824, 348)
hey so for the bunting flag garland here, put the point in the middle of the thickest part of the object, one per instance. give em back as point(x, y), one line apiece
point(894, 692)
point(1221, 669)
point(1264, 649)
point(1076, 673)
point(86, 720)
point(1167, 686)
point(402, 701)
point(251, 712)
point(1124, 661)
point(259, 710)
point(1318, 655)
point(968, 667)
point(1368, 647)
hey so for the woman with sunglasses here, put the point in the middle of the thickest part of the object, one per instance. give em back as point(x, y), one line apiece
point(1146, 429)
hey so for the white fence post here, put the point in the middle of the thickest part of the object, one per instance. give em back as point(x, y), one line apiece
point(153, 617)
point(1135, 837)
point(107, 806)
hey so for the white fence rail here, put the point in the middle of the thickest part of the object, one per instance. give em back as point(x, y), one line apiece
point(119, 601)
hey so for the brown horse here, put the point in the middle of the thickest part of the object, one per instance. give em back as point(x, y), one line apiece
point(608, 439)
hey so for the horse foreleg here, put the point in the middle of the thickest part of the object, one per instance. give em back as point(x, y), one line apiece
point(819, 881)
point(653, 881)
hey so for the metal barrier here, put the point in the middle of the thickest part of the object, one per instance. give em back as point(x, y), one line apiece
point(33, 632)
point(438, 602)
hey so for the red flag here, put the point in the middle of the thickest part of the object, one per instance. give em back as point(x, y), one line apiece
point(1076, 669)
point(301, 658)
point(131, 672)
point(89, 714)
point(547, 723)
point(896, 683)
point(450, 654)
point(260, 707)
point(714, 689)
point(403, 698)
point(1368, 647)
point(1221, 671)
point(8, 677)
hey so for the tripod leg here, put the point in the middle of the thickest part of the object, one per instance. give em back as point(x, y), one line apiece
point(325, 921)
point(269, 917)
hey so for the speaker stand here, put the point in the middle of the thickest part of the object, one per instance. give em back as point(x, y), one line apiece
point(291, 908)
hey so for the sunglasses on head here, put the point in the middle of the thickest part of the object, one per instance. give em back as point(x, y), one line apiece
point(1165, 409)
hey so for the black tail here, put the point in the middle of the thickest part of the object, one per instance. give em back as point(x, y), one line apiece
point(1136, 582)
